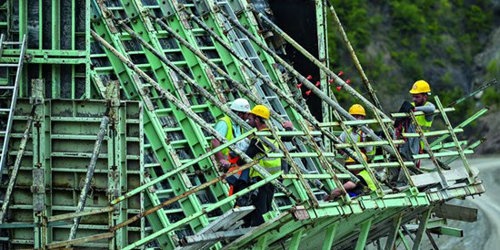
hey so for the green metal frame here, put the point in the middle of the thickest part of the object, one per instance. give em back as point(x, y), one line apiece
point(162, 184)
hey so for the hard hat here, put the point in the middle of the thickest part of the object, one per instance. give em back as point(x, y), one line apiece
point(419, 87)
point(357, 109)
point(261, 111)
point(240, 105)
point(351, 160)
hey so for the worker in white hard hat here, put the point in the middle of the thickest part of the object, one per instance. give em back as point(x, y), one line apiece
point(230, 129)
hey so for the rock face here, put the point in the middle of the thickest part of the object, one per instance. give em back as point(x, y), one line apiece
point(489, 125)
point(489, 129)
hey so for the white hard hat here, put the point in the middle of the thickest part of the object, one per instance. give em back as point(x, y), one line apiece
point(240, 105)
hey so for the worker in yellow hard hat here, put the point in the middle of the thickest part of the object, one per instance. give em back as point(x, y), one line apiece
point(365, 184)
point(258, 149)
point(420, 92)
point(355, 133)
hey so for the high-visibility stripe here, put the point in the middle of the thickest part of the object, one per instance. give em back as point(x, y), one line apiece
point(272, 165)
point(229, 133)
point(422, 121)
point(369, 182)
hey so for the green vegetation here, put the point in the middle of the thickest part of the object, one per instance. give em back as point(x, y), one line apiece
point(400, 41)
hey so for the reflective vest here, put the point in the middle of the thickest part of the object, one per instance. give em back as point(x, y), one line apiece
point(272, 165)
point(369, 182)
point(422, 121)
point(229, 133)
point(361, 137)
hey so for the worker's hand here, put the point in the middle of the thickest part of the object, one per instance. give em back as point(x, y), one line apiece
point(334, 194)
point(224, 165)
point(406, 107)
point(287, 125)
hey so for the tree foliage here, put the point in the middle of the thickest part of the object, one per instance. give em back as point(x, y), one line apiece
point(401, 41)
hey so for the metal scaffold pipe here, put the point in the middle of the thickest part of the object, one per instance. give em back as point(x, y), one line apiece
point(275, 115)
point(379, 115)
point(320, 65)
point(187, 111)
point(286, 98)
point(204, 92)
point(210, 97)
point(316, 90)
point(17, 165)
point(354, 58)
point(89, 175)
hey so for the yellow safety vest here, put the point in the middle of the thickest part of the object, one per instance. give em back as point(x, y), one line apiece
point(272, 165)
point(229, 133)
point(360, 134)
point(369, 182)
point(422, 122)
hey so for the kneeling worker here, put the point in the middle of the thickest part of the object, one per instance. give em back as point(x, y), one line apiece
point(364, 186)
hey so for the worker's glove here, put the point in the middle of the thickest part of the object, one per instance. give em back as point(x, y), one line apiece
point(406, 107)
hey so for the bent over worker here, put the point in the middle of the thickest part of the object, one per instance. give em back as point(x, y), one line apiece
point(230, 129)
point(262, 200)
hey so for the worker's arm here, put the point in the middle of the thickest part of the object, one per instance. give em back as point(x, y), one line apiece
point(253, 149)
point(221, 128)
point(427, 108)
point(287, 126)
point(219, 156)
point(338, 192)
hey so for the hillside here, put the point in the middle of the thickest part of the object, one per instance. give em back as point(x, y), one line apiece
point(454, 45)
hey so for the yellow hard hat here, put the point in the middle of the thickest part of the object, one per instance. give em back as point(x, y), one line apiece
point(261, 111)
point(419, 87)
point(357, 109)
point(351, 160)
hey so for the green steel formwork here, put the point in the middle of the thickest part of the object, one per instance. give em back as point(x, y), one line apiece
point(54, 167)
point(184, 61)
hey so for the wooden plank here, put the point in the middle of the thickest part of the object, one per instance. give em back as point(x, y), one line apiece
point(455, 212)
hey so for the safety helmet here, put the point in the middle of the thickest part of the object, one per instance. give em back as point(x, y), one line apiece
point(419, 87)
point(351, 160)
point(357, 109)
point(240, 105)
point(261, 111)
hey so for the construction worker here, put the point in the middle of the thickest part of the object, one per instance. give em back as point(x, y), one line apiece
point(229, 129)
point(225, 126)
point(420, 92)
point(258, 118)
point(355, 132)
point(364, 186)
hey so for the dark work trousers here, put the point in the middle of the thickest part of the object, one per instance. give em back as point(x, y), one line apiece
point(262, 202)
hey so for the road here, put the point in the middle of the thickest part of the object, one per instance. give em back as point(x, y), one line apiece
point(485, 233)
